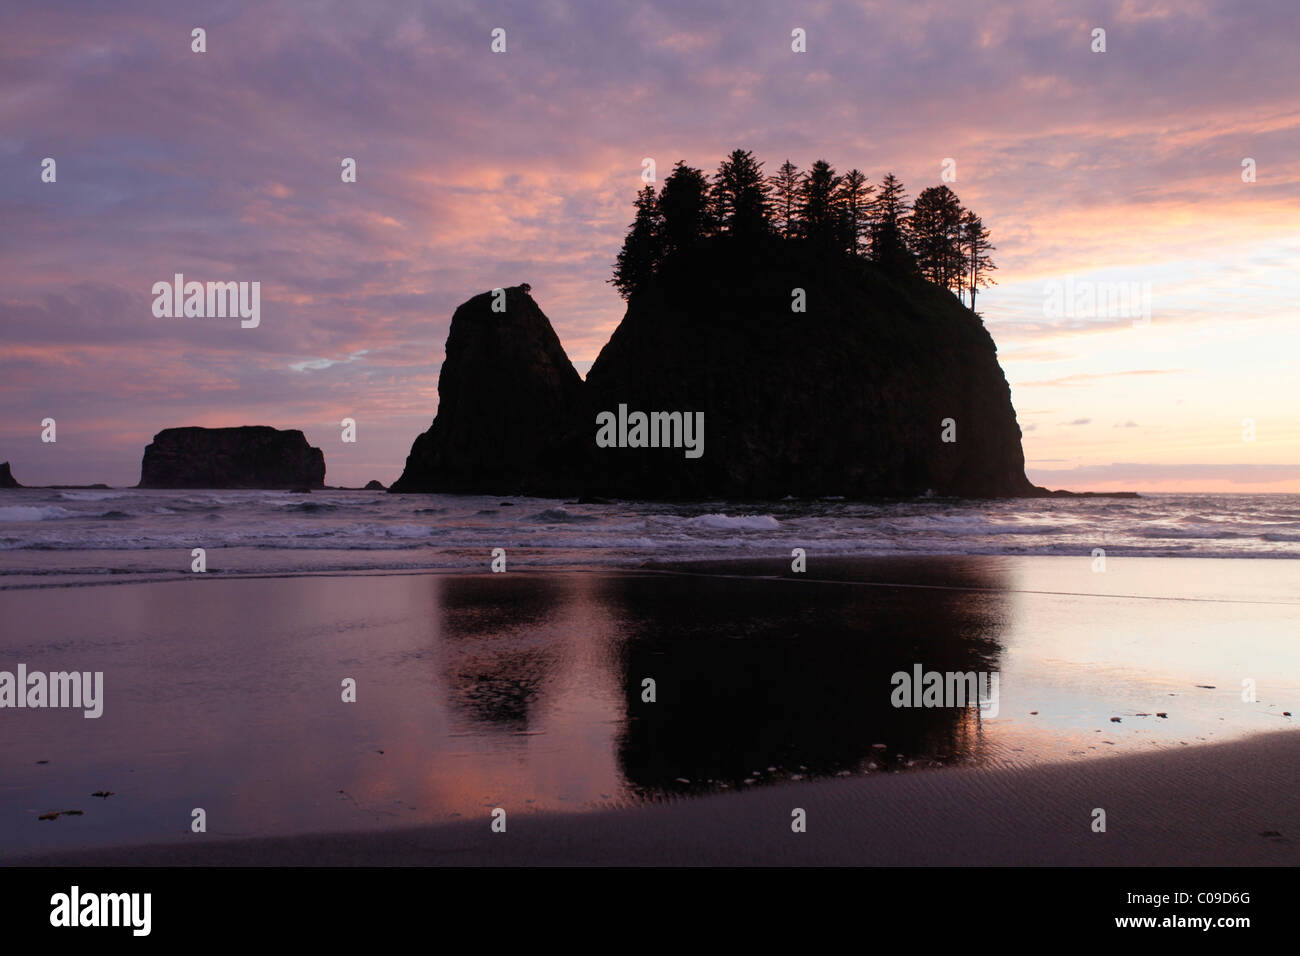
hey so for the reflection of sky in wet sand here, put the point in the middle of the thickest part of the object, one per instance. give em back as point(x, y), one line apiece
point(524, 690)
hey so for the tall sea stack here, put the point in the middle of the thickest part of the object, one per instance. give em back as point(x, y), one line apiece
point(509, 403)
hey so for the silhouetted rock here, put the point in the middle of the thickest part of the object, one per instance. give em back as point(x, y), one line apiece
point(6, 476)
point(252, 456)
point(507, 397)
point(374, 486)
point(848, 398)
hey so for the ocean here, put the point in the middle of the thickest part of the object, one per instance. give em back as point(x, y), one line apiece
point(58, 535)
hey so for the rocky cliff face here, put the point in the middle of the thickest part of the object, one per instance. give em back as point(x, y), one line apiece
point(509, 400)
point(252, 456)
point(6, 476)
point(847, 398)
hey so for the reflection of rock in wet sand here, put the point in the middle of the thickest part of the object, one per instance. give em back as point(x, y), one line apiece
point(501, 646)
point(753, 674)
point(499, 689)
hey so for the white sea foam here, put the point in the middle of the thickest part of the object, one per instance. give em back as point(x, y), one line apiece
point(735, 522)
point(34, 513)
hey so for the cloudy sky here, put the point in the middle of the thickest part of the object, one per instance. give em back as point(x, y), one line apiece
point(478, 169)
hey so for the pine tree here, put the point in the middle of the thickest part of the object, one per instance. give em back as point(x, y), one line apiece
point(785, 197)
point(888, 224)
point(854, 200)
point(976, 246)
point(934, 236)
point(817, 212)
point(741, 196)
point(643, 248)
point(685, 207)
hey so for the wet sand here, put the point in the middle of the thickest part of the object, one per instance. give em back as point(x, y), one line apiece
point(1120, 690)
point(1227, 804)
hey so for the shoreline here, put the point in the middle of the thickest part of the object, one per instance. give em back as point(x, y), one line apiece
point(1231, 804)
point(772, 567)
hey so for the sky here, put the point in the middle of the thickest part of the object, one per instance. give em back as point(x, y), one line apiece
point(1147, 297)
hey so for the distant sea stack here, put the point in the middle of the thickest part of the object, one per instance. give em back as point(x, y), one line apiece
point(7, 476)
point(251, 456)
point(848, 398)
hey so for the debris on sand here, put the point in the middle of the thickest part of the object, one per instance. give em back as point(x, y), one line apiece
point(55, 814)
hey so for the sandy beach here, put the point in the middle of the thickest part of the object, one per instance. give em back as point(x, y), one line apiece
point(1228, 804)
point(525, 691)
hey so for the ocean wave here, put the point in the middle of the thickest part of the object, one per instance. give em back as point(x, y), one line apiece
point(560, 516)
point(410, 531)
point(1204, 533)
point(721, 522)
point(308, 507)
point(972, 528)
point(35, 513)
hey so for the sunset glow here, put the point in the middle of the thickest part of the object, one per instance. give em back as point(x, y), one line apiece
point(476, 171)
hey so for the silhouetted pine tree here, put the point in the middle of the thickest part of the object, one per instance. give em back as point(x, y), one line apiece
point(976, 247)
point(889, 223)
point(785, 198)
point(685, 207)
point(818, 219)
point(643, 249)
point(741, 196)
point(853, 200)
point(934, 236)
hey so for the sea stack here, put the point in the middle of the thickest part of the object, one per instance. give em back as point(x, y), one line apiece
point(887, 386)
point(509, 403)
point(884, 386)
point(7, 476)
point(250, 456)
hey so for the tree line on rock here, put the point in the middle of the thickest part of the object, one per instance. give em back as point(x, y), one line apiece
point(934, 236)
